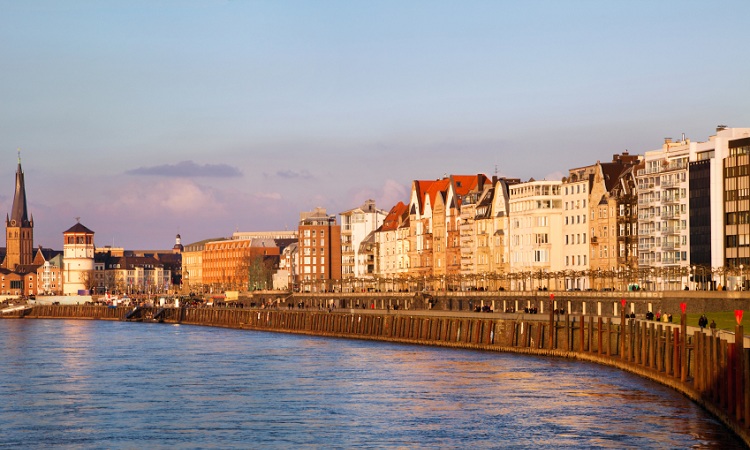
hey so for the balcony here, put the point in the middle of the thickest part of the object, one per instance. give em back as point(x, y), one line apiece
point(670, 199)
point(670, 215)
point(670, 230)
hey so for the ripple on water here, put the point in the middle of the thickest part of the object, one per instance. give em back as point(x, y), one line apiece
point(101, 384)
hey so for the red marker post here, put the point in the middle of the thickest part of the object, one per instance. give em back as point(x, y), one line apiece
point(683, 343)
point(742, 408)
point(623, 302)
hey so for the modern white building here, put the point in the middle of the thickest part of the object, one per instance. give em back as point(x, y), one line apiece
point(663, 228)
point(536, 233)
point(719, 209)
point(356, 225)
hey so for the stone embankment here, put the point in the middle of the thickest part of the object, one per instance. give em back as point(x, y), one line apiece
point(710, 369)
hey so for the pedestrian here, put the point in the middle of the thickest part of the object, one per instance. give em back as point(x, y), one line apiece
point(713, 327)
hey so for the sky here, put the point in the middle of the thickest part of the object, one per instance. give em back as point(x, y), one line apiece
point(146, 119)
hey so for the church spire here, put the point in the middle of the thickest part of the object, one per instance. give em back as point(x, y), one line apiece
point(19, 216)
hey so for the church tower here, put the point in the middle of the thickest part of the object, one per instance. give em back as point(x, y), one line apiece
point(19, 230)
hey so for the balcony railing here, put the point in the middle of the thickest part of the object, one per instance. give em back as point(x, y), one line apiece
point(670, 230)
point(670, 215)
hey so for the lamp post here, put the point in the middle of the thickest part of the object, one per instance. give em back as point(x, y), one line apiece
point(742, 281)
point(695, 279)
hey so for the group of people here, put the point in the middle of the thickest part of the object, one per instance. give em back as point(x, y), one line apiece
point(659, 316)
point(703, 323)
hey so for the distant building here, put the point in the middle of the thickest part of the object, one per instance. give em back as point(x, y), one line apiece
point(284, 278)
point(19, 228)
point(247, 261)
point(319, 248)
point(78, 260)
point(192, 266)
point(18, 271)
point(392, 246)
point(536, 231)
point(49, 273)
point(357, 225)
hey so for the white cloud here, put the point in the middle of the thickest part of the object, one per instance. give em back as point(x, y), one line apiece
point(267, 195)
point(169, 196)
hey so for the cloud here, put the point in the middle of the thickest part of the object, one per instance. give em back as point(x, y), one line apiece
point(267, 195)
point(386, 196)
point(291, 174)
point(188, 169)
point(178, 197)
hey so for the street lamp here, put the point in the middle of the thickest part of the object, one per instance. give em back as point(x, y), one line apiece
point(695, 279)
point(742, 281)
point(653, 277)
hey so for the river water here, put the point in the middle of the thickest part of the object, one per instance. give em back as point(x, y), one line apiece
point(100, 384)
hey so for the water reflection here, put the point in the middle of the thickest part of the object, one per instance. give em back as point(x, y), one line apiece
point(119, 385)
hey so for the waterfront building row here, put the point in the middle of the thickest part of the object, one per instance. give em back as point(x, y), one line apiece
point(676, 217)
point(673, 218)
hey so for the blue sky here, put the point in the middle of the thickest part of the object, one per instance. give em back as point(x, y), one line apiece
point(148, 119)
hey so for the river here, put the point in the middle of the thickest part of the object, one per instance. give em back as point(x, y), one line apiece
point(101, 384)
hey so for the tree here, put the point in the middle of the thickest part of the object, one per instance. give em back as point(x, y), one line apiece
point(259, 272)
point(89, 281)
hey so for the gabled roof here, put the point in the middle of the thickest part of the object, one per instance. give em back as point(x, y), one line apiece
point(460, 184)
point(395, 217)
point(45, 254)
point(27, 268)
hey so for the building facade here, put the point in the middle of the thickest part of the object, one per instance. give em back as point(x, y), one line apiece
point(78, 260)
point(19, 227)
point(357, 225)
point(319, 249)
point(536, 233)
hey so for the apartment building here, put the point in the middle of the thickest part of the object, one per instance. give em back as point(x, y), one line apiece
point(234, 264)
point(319, 248)
point(357, 225)
point(536, 236)
point(500, 216)
point(476, 229)
point(605, 221)
point(435, 237)
point(576, 237)
point(721, 238)
point(626, 194)
point(392, 245)
point(663, 231)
